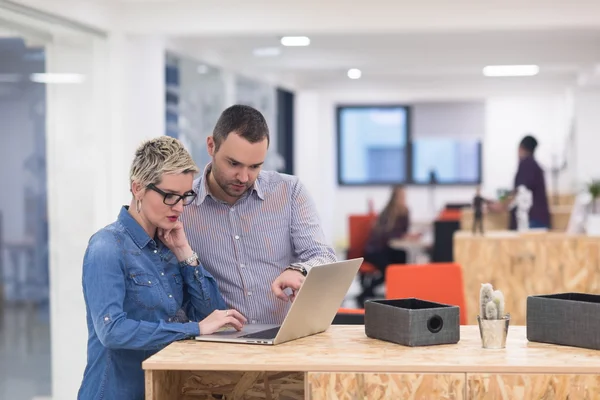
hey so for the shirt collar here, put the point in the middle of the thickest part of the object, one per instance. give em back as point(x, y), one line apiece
point(203, 190)
point(135, 230)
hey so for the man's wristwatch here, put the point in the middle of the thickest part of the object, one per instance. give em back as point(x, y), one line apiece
point(299, 268)
point(189, 261)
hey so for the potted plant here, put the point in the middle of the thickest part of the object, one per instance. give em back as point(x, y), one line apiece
point(493, 322)
point(593, 218)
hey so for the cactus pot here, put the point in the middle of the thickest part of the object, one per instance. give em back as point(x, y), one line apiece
point(493, 332)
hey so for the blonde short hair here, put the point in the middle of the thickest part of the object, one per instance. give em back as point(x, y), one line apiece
point(159, 156)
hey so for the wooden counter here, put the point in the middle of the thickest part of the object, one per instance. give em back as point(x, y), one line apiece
point(500, 221)
point(343, 363)
point(526, 264)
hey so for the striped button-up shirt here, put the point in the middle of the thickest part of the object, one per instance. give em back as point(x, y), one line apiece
point(246, 246)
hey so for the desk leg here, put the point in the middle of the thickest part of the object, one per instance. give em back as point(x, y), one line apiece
point(226, 385)
point(162, 385)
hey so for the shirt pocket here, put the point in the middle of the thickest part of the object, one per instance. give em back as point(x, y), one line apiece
point(145, 290)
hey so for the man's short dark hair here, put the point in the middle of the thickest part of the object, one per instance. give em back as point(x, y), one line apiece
point(529, 143)
point(243, 120)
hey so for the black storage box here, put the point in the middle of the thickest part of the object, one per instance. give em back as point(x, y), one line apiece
point(570, 319)
point(412, 322)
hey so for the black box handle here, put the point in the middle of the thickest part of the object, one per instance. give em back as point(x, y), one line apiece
point(435, 324)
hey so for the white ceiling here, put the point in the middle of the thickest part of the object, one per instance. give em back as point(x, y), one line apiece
point(402, 42)
point(409, 58)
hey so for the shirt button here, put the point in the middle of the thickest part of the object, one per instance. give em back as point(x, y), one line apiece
point(237, 237)
point(170, 295)
point(106, 318)
point(149, 282)
point(232, 209)
point(249, 293)
point(162, 273)
point(242, 265)
point(170, 319)
point(155, 251)
point(253, 321)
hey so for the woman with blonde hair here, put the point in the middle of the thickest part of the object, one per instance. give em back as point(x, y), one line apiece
point(142, 283)
point(393, 222)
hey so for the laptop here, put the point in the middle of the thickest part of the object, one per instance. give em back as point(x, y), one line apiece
point(312, 311)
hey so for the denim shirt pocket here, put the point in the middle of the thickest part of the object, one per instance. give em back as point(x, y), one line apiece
point(145, 290)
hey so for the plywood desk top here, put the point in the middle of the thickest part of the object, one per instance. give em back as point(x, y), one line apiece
point(347, 348)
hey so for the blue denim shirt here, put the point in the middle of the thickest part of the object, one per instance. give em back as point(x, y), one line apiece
point(138, 300)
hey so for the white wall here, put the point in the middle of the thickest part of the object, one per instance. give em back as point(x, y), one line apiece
point(587, 135)
point(508, 118)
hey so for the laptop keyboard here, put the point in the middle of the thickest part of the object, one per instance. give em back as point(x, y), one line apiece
point(266, 334)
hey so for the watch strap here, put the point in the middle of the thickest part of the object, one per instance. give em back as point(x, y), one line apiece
point(189, 261)
point(298, 268)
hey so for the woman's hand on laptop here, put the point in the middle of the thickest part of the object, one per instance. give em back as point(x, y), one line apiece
point(220, 318)
point(288, 279)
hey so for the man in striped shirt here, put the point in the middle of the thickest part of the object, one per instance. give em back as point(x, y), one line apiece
point(257, 232)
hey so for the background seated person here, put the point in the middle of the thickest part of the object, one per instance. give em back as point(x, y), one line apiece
point(392, 223)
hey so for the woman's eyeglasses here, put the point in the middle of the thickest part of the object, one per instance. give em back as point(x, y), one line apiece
point(171, 199)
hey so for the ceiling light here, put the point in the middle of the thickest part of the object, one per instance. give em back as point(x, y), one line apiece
point(354, 73)
point(511, 70)
point(295, 41)
point(57, 78)
point(267, 52)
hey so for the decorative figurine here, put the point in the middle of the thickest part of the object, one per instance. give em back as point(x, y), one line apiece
point(523, 202)
point(478, 202)
point(579, 214)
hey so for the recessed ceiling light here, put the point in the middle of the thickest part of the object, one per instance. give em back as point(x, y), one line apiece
point(354, 73)
point(267, 52)
point(57, 78)
point(511, 70)
point(295, 41)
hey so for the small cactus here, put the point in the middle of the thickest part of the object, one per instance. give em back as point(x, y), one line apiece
point(491, 302)
point(491, 311)
point(498, 299)
point(485, 296)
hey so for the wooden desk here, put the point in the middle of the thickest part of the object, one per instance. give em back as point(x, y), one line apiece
point(526, 264)
point(413, 248)
point(343, 363)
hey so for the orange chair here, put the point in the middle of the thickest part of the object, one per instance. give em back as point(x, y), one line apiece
point(450, 215)
point(349, 316)
point(438, 282)
point(359, 229)
point(355, 311)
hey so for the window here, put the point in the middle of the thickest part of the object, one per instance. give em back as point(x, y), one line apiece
point(390, 144)
point(452, 160)
point(446, 141)
point(372, 144)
